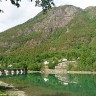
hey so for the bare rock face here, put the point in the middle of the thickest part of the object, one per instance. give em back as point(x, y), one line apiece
point(58, 17)
point(8, 44)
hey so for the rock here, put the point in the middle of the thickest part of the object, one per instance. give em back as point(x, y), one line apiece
point(16, 93)
point(13, 91)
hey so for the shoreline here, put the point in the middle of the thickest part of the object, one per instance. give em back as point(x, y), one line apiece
point(52, 71)
point(12, 91)
point(81, 72)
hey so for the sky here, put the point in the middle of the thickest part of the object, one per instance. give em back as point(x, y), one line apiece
point(13, 16)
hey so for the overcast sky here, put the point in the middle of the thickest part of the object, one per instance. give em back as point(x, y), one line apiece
point(13, 16)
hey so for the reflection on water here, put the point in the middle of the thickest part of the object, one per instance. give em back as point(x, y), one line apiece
point(54, 85)
point(65, 79)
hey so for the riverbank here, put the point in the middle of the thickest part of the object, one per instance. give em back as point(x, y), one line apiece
point(10, 90)
point(81, 72)
point(52, 71)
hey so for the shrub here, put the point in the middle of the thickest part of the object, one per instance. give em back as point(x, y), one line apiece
point(52, 65)
point(35, 66)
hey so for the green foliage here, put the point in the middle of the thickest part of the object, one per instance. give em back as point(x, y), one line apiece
point(52, 65)
point(22, 45)
point(53, 61)
point(35, 66)
point(70, 67)
point(45, 4)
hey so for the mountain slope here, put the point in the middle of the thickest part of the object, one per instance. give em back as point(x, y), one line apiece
point(65, 31)
point(40, 28)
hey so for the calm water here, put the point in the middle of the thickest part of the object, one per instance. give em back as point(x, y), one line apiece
point(54, 85)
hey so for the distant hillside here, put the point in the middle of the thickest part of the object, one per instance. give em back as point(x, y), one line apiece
point(63, 32)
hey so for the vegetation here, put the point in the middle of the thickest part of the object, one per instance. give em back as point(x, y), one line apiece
point(31, 43)
point(45, 4)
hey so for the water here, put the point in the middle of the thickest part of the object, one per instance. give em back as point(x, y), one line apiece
point(54, 85)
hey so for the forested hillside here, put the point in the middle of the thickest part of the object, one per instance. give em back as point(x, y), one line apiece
point(63, 32)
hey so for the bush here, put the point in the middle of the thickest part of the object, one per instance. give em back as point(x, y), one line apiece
point(52, 65)
point(35, 66)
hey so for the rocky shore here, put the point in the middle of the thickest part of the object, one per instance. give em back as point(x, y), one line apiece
point(11, 90)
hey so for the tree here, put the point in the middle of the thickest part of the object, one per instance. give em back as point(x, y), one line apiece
point(1, 11)
point(45, 4)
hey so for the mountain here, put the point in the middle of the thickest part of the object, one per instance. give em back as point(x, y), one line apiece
point(63, 32)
